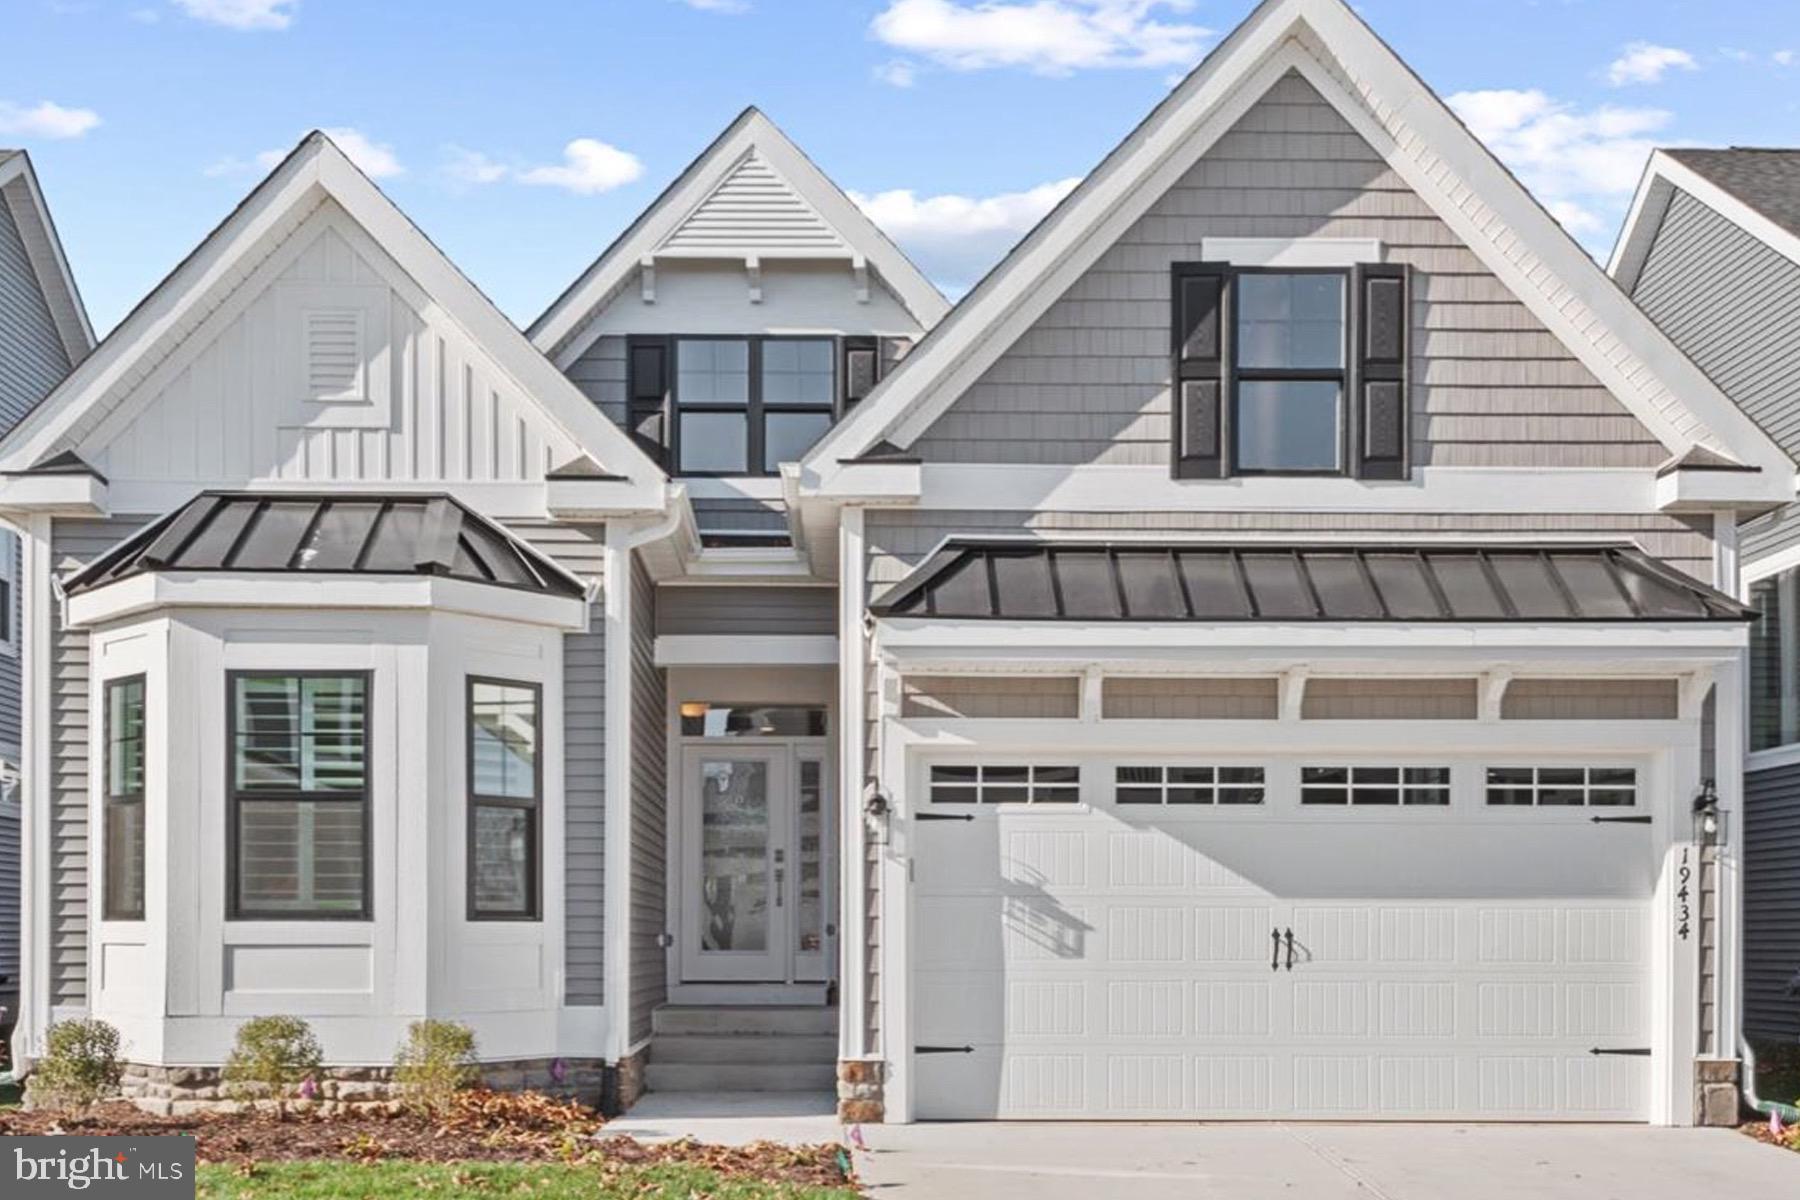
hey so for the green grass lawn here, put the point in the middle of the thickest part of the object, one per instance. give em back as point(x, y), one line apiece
point(540, 1181)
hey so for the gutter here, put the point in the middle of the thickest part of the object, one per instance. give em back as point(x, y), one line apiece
point(1747, 1085)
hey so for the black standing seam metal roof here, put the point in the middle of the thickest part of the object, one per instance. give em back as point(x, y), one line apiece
point(1137, 581)
point(341, 534)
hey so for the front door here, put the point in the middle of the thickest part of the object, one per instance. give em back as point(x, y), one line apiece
point(755, 903)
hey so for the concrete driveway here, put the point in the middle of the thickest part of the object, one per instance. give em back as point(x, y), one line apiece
point(1319, 1162)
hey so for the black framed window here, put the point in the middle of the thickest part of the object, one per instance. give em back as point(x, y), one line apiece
point(987, 783)
point(123, 898)
point(299, 788)
point(1187, 785)
point(505, 791)
point(1562, 787)
point(713, 405)
point(1289, 371)
point(1292, 331)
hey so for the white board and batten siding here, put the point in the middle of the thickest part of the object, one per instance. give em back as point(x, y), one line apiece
point(336, 370)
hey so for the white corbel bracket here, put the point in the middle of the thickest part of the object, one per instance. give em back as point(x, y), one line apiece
point(647, 278)
point(1293, 693)
point(753, 271)
point(859, 266)
point(1493, 693)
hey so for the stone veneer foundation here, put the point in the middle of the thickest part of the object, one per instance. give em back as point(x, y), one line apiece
point(178, 1091)
point(861, 1089)
point(1716, 1086)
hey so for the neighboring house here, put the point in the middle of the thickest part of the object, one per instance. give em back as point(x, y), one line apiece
point(43, 333)
point(1712, 252)
point(1267, 651)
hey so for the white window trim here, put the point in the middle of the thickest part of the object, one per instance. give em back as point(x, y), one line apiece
point(1335, 253)
point(9, 572)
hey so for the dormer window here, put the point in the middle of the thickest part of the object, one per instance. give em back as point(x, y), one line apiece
point(1289, 371)
point(740, 405)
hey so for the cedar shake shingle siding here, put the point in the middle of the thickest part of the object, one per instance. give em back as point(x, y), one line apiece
point(1089, 383)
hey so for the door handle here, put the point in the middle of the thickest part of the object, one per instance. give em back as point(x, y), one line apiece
point(1275, 950)
point(1290, 949)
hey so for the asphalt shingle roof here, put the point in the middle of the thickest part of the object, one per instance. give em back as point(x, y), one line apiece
point(1768, 180)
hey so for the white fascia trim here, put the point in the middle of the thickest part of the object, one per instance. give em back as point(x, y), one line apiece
point(1662, 176)
point(1775, 756)
point(730, 650)
point(564, 331)
point(1291, 252)
point(74, 495)
point(1672, 641)
point(154, 590)
point(317, 170)
point(54, 277)
point(1772, 564)
point(749, 487)
point(1437, 156)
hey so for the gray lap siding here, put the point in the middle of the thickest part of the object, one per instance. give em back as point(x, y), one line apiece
point(649, 809)
point(1089, 383)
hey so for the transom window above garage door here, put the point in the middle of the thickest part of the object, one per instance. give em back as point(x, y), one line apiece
point(1367, 785)
point(1188, 785)
point(990, 784)
point(1562, 787)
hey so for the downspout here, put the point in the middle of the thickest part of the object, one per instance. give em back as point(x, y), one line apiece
point(1747, 1086)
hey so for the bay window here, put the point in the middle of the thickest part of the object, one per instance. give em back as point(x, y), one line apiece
point(299, 795)
point(505, 791)
point(123, 886)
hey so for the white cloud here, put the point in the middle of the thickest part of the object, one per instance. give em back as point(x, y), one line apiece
point(588, 167)
point(718, 6)
point(898, 73)
point(955, 239)
point(377, 159)
point(1584, 165)
point(241, 14)
point(1051, 37)
point(1645, 62)
point(472, 166)
point(45, 120)
point(1784, 58)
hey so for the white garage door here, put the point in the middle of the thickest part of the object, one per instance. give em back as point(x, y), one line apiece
point(1447, 960)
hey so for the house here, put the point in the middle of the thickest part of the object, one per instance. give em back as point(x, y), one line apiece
point(1269, 650)
point(1712, 252)
point(43, 332)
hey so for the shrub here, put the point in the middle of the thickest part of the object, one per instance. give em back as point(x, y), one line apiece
point(272, 1057)
point(436, 1061)
point(80, 1066)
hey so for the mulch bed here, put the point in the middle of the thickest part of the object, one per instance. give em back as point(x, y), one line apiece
point(1790, 1139)
point(481, 1126)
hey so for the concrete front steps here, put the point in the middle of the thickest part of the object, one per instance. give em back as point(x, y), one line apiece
point(718, 1048)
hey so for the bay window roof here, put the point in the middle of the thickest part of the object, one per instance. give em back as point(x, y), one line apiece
point(1145, 581)
point(344, 533)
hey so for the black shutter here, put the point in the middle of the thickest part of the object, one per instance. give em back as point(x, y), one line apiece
point(862, 368)
point(647, 387)
point(1380, 403)
point(1201, 346)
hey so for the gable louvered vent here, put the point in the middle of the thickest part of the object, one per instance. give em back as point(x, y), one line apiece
point(334, 354)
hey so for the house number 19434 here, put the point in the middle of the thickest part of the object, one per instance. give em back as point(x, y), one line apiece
point(1684, 874)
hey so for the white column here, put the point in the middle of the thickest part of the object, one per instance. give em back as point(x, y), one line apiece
point(616, 916)
point(853, 832)
point(1730, 726)
point(34, 791)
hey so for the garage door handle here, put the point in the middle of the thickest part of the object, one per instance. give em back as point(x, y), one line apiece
point(1275, 950)
point(943, 816)
point(1631, 1051)
point(1290, 949)
point(1640, 820)
point(943, 1049)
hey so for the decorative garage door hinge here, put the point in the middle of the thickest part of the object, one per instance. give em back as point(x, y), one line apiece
point(1632, 1051)
point(945, 817)
point(1639, 820)
point(943, 1049)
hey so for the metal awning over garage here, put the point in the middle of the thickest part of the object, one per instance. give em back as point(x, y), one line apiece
point(1139, 581)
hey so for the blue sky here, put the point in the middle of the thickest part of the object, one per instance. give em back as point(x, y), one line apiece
point(523, 135)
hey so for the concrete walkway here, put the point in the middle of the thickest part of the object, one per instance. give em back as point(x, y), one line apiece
point(732, 1119)
point(1319, 1162)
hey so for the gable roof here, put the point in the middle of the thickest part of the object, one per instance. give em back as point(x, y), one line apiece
point(751, 193)
point(1756, 189)
point(1426, 145)
point(314, 171)
point(20, 192)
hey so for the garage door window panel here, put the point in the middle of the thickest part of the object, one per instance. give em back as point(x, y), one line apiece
point(1562, 787)
point(986, 783)
point(1187, 785)
point(1375, 786)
